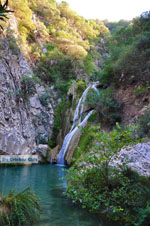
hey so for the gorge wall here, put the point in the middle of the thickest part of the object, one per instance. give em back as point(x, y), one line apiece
point(24, 121)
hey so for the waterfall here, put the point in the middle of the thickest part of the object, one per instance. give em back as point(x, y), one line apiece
point(76, 114)
point(77, 123)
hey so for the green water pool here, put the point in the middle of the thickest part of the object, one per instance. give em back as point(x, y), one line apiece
point(46, 182)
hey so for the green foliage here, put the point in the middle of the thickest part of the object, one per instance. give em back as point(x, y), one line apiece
point(111, 143)
point(49, 21)
point(119, 194)
point(58, 114)
point(3, 12)
point(26, 89)
point(13, 45)
point(58, 71)
point(143, 216)
point(144, 124)
point(89, 65)
point(24, 15)
point(142, 90)
point(57, 121)
point(128, 62)
point(28, 86)
point(116, 26)
point(106, 105)
point(44, 98)
point(19, 209)
point(81, 85)
point(84, 144)
point(142, 23)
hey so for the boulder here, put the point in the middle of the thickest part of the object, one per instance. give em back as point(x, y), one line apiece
point(136, 157)
point(42, 150)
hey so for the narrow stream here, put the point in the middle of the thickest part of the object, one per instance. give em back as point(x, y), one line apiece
point(45, 181)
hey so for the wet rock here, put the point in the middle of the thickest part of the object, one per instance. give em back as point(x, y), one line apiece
point(42, 150)
point(53, 154)
point(72, 147)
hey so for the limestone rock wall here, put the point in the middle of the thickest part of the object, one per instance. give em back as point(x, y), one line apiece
point(22, 123)
point(137, 157)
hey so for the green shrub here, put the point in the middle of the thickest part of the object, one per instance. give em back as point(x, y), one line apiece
point(119, 194)
point(19, 209)
point(57, 122)
point(89, 65)
point(142, 90)
point(4, 12)
point(84, 144)
point(44, 99)
point(28, 86)
point(123, 200)
point(129, 48)
point(81, 85)
point(58, 71)
point(144, 124)
point(106, 105)
point(13, 45)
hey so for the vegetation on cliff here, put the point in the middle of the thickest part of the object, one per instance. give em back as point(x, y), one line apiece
point(59, 43)
point(49, 22)
point(3, 12)
point(128, 62)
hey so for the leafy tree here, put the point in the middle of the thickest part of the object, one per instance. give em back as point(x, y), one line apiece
point(116, 26)
point(128, 62)
point(48, 21)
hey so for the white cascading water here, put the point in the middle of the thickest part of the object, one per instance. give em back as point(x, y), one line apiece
point(77, 123)
point(80, 103)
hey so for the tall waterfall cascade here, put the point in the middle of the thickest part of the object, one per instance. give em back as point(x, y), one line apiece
point(78, 122)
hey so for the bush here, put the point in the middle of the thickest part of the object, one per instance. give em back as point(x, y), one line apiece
point(4, 12)
point(44, 98)
point(128, 61)
point(142, 90)
point(19, 209)
point(106, 105)
point(123, 200)
point(13, 45)
point(84, 144)
point(119, 194)
point(59, 71)
point(57, 122)
point(144, 124)
point(81, 86)
point(28, 86)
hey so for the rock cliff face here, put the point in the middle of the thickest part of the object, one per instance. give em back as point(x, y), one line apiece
point(23, 123)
